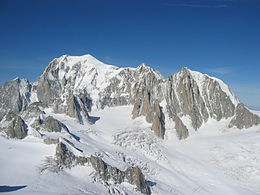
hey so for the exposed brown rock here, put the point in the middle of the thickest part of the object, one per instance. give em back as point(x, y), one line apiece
point(158, 120)
point(12, 100)
point(77, 108)
point(137, 108)
point(53, 125)
point(17, 128)
point(51, 141)
point(152, 112)
point(133, 175)
point(181, 129)
point(64, 157)
point(191, 101)
point(244, 118)
point(106, 172)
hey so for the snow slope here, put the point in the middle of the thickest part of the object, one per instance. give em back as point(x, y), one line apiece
point(212, 161)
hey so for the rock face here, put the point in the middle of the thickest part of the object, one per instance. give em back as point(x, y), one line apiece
point(152, 111)
point(199, 96)
point(33, 110)
point(64, 157)
point(133, 176)
point(51, 141)
point(14, 96)
point(128, 85)
point(47, 87)
point(188, 98)
point(77, 108)
point(106, 172)
point(244, 118)
point(17, 128)
point(158, 124)
point(181, 129)
point(53, 125)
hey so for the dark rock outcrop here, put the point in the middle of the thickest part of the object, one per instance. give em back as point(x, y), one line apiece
point(190, 99)
point(189, 93)
point(244, 118)
point(143, 107)
point(137, 108)
point(10, 116)
point(50, 141)
point(134, 175)
point(14, 96)
point(198, 100)
point(181, 129)
point(33, 110)
point(48, 87)
point(64, 157)
point(77, 108)
point(152, 111)
point(17, 128)
point(217, 101)
point(129, 84)
point(53, 125)
point(158, 124)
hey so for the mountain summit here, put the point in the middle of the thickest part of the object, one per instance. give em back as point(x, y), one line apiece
point(60, 108)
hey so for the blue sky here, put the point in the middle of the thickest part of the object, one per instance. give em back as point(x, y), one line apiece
point(217, 37)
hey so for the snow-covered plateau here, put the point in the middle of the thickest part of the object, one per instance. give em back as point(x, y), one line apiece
point(85, 127)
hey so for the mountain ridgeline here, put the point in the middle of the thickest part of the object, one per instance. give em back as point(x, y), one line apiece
point(74, 85)
point(58, 109)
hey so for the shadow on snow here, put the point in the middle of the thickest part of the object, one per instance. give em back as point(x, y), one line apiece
point(11, 188)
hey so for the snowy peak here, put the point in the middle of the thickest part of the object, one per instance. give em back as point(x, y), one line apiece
point(83, 63)
point(86, 74)
point(76, 73)
point(203, 81)
point(200, 97)
point(85, 60)
point(185, 69)
point(143, 68)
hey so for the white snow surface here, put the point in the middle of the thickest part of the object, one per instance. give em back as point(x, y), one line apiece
point(214, 160)
point(86, 71)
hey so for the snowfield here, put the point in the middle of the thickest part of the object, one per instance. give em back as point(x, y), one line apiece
point(213, 160)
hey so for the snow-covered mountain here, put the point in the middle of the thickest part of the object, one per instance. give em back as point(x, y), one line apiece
point(106, 129)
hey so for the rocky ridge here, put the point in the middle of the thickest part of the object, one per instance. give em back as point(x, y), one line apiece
point(106, 172)
point(76, 85)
